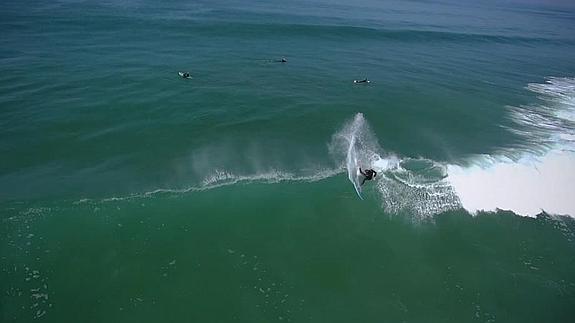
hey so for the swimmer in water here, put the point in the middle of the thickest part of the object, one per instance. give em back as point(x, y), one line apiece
point(368, 173)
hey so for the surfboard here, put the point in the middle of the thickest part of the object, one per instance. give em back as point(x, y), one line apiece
point(182, 74)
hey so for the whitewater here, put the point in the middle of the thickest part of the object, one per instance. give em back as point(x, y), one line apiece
point(533, 179)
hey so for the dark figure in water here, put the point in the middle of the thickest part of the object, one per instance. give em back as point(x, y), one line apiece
point(365, 80)
point(283, 60)
point(186, 75)
point(368, 173)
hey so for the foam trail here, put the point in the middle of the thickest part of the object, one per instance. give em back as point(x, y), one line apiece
point(222, 178)
point(417, 187)
point(542, 177)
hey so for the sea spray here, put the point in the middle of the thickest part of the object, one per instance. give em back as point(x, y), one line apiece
point(356, 140)
point(353, 166)
point(355, 146)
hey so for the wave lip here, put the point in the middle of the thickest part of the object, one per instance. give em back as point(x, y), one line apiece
point(550, 125)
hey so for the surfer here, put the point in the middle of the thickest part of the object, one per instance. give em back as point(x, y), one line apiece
point(283, 60)
point(368, 173)
point(365, 80)
point(185, 75)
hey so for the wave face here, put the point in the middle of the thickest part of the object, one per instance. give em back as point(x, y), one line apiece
point(538, 178)
point(542, 177)
point(415, 187)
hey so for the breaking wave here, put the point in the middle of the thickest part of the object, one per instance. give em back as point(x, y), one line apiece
point(538, 179)
point(541, 178)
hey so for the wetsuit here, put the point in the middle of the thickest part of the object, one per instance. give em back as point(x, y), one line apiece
point(369, 175)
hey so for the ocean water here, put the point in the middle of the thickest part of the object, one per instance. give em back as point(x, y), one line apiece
point(129, 194)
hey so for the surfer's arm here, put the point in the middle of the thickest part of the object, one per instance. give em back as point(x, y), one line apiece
point(362, 173)
point(374, 173)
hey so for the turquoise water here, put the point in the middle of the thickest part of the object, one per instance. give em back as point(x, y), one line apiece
point(129, 194)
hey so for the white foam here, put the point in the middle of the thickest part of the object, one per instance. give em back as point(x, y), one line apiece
point(534, 182)
point(526, 187)
point(419, 200)
point(384, 164)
